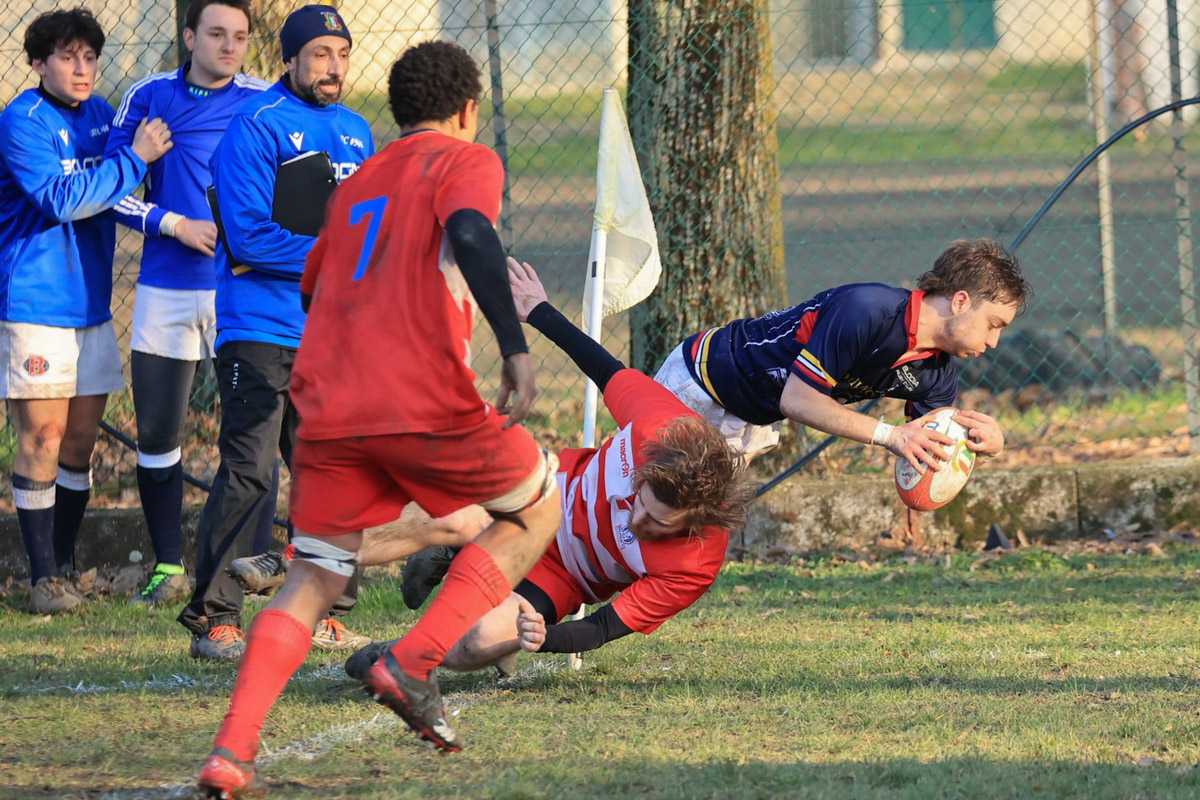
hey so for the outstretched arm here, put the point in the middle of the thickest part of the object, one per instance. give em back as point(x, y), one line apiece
point(533, 307)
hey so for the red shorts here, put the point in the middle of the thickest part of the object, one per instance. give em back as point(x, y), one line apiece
point(345, 485)
point(549, 575)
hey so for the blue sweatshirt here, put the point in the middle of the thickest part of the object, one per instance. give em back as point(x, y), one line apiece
point(263, 304)
point(176, 182)
point(56, 241)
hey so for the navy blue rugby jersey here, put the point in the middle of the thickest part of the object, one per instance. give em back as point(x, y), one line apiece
point(849, 342)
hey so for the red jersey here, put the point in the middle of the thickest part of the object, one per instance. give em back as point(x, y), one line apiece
point(659, 578)
point(387, 346)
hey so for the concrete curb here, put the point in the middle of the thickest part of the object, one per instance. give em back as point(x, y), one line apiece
point(1057, 502)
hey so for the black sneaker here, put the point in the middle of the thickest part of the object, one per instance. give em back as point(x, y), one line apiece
point(222, 643)
point(360, 662)
point(423, 572)
point(261, 574)
point(419, 703)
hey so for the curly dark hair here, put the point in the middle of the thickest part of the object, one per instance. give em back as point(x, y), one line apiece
point(689, 466)
point(432, 82)
point(60, 28)
point(191, 17)
point(981, 267)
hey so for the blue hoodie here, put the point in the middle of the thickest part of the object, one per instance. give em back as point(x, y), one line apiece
point(263, 304)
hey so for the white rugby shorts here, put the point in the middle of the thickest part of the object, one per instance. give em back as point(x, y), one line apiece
point(42, 362)
point(174, 323)
point(746, 438)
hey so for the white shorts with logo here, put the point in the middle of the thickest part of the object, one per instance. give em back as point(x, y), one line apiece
point(174, 323)
point(746, 438)
point(42, 362)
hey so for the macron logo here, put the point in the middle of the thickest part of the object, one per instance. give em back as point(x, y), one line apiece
point(297, 139)
point(62, 134)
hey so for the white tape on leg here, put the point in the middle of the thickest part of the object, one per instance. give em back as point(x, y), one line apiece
point(329, 557)
point(531, 491)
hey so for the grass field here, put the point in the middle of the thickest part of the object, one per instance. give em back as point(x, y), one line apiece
point(1028, 676)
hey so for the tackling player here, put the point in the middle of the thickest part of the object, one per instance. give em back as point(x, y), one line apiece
point(56, 257)
point(389, 410)
point(174, 318)
point(646, 514)
point(259, 313)
point(856, 342)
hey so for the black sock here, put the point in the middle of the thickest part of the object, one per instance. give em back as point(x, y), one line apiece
point(35, 514)
point(72, 491)
point(161, 490)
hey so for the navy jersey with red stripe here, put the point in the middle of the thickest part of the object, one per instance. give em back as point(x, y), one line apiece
point(849, 342)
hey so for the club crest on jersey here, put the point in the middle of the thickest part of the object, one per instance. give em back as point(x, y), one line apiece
point(66, 137)
point(37, 365)
point(297, 139)
point(624, 534)
point(906, 377)
point(332, 23)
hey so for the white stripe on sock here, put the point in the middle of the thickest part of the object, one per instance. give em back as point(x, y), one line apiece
point(76, 481)
point(33, 499)
point(159, 460)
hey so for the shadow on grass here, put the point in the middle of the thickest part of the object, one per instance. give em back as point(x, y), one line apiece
point(543, 775)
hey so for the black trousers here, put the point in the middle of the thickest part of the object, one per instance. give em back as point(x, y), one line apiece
point(257, 417)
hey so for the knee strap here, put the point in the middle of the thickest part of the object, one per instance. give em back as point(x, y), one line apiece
point(321, 553)
point(540, 483)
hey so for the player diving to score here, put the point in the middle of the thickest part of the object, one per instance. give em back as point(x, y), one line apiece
point(647, 514)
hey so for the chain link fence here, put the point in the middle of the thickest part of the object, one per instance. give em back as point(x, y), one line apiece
point(900, 126)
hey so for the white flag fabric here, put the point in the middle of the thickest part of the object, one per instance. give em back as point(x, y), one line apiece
point(632, 266)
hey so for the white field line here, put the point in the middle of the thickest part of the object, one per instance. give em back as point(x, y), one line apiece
point(321, 743)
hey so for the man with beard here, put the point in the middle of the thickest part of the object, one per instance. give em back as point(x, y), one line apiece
point(259, 313)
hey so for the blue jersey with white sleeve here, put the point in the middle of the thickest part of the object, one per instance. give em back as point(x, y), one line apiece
point(851, 342)
point(262, 304)
point(56, 185)
point(197, 118)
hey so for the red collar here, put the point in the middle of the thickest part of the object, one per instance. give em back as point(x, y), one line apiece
point(911, 319)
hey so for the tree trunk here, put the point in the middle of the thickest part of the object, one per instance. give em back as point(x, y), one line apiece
point(703, 125)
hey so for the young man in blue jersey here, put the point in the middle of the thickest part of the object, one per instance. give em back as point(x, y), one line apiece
point(174, 315)
point(56, 254)
point(856, 342)
point(259, 313)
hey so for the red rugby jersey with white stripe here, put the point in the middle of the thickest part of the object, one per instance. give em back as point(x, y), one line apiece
point(657, 579)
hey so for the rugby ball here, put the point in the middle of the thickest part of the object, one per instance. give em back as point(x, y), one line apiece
point(929, 490)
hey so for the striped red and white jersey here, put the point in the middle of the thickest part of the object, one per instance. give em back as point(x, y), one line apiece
point(657, 579)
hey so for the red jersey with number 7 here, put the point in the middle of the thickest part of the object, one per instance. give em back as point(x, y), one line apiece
point(387, 345)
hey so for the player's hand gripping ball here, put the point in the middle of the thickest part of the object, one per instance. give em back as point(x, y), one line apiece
point(929, 490)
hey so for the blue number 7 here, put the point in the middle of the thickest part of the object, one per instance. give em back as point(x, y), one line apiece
point(372, 210)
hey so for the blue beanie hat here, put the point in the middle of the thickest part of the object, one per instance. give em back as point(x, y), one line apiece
point(307, 23)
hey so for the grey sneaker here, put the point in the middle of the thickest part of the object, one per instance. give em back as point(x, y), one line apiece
point(163, 588)
point(423, 572)
point(259, 574)
point(222, 643)
point(361, 661)
point(419, 703)
point(53, 595)
point(333, 635)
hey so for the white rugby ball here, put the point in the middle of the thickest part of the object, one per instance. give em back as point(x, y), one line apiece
point(929, 490)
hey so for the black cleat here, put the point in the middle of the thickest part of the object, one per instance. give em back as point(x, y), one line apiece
point(419, 703)
point(423, 572)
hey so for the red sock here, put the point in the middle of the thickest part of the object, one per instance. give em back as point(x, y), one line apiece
point(275, 648)
point(473, 586)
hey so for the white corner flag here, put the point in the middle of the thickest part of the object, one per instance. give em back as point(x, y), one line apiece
point(623, 261)
point(624, 253)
